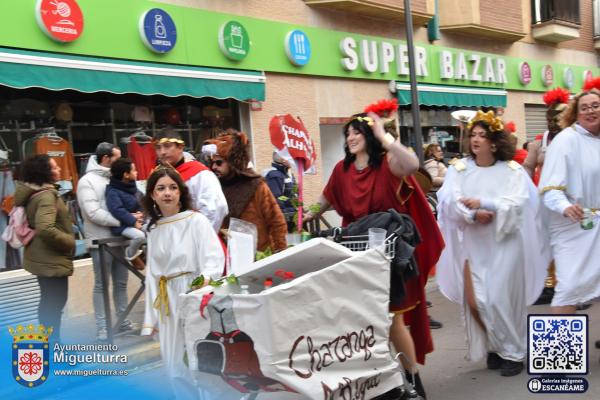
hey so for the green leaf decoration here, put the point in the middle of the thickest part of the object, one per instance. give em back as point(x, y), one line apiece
point(199, 281)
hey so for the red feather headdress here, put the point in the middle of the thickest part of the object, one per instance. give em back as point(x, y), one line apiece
point(593, 83)
point(510, 126)
point(556, 96)
point(384, 108)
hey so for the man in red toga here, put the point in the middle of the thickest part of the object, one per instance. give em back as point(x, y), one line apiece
point(205, 189)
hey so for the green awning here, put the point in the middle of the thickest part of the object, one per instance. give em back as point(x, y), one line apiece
point(26, 69)
point(455, 96)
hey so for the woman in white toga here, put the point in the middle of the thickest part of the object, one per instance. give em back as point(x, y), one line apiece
point(486, 211)
point(181, 246)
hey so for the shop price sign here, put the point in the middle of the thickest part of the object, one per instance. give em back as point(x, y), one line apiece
point(297, 48)
point(234, 41)
point(61, 20)
point(158, 30)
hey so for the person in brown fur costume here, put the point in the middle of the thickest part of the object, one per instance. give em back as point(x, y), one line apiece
point(248, 196)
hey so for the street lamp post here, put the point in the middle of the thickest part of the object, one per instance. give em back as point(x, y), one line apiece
point(413, 82)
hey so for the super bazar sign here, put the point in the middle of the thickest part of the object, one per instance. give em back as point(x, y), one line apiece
point(374, 56)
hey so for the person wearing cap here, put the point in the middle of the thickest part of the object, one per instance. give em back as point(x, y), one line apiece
point(97, 223)
point(248, 196)
point(207, 196)
point(281, 182)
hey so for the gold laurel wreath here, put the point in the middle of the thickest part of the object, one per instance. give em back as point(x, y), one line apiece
point(368, 120)
point(170, 140)
point(490, 118)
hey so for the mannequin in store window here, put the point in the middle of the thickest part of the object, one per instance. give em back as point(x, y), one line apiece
point(205, 189)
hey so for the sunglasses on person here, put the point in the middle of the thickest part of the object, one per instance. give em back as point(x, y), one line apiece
point(217, 162)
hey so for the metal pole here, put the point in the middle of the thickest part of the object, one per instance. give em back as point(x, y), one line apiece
point(413, 82)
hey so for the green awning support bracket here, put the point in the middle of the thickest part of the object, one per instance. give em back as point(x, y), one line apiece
point(452, 96)
point(26, 69)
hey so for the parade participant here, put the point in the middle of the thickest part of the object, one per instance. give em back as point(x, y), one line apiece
point(375, 176)
point(281, 182)
point(248, 196)
point(181, 246)
point(490, 204)
point(434, 165)
point(97, 221)
point(556, 100)
point(49, 255)
point(207, 196)
point(569, 186)
point(520, 153)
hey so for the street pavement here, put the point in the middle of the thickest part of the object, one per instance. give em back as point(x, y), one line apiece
point(447, 376)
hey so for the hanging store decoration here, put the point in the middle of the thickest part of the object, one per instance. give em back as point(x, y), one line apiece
point(158, 30)
point(61, 20)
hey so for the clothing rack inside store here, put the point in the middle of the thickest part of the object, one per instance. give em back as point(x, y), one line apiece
point(140, 137)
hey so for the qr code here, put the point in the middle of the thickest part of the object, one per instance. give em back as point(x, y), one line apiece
point(557, 344)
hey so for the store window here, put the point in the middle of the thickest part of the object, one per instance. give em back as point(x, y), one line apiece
point(79, 121)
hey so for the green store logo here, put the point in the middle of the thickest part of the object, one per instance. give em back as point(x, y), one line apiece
point(234, 41)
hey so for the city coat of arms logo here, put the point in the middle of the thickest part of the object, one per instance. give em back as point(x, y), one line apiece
point(30, 354)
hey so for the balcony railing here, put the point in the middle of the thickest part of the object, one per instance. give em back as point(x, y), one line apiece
point(555, 10)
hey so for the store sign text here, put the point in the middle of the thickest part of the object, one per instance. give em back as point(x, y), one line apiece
point(473, 67)
point(379, 56)
point(373, 56)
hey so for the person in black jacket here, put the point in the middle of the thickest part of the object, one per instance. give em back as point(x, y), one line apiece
point(281, 183)
point(123, 203)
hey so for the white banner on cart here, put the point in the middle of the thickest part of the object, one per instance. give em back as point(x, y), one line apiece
point(323, 335)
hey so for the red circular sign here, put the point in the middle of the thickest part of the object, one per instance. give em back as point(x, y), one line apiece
point(62, 20)
point(288, 132)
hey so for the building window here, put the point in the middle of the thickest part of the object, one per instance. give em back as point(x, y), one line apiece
point(555, 10)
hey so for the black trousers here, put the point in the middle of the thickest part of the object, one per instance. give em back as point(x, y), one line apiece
point(53, 297)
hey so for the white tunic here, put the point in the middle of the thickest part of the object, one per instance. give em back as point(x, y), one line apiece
point(571, 175)
point(506, 277)
point(185, 242)
point(208, 197)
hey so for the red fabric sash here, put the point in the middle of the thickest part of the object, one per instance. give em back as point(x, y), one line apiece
point(190, 168)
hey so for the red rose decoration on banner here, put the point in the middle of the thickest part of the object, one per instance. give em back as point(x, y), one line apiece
point(62, 20)
point(289, 133)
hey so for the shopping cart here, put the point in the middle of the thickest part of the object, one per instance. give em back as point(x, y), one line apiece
point(361, 243)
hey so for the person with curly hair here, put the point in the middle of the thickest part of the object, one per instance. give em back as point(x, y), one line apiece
point(181, 246)
point(248, 195)
point(487, 213)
